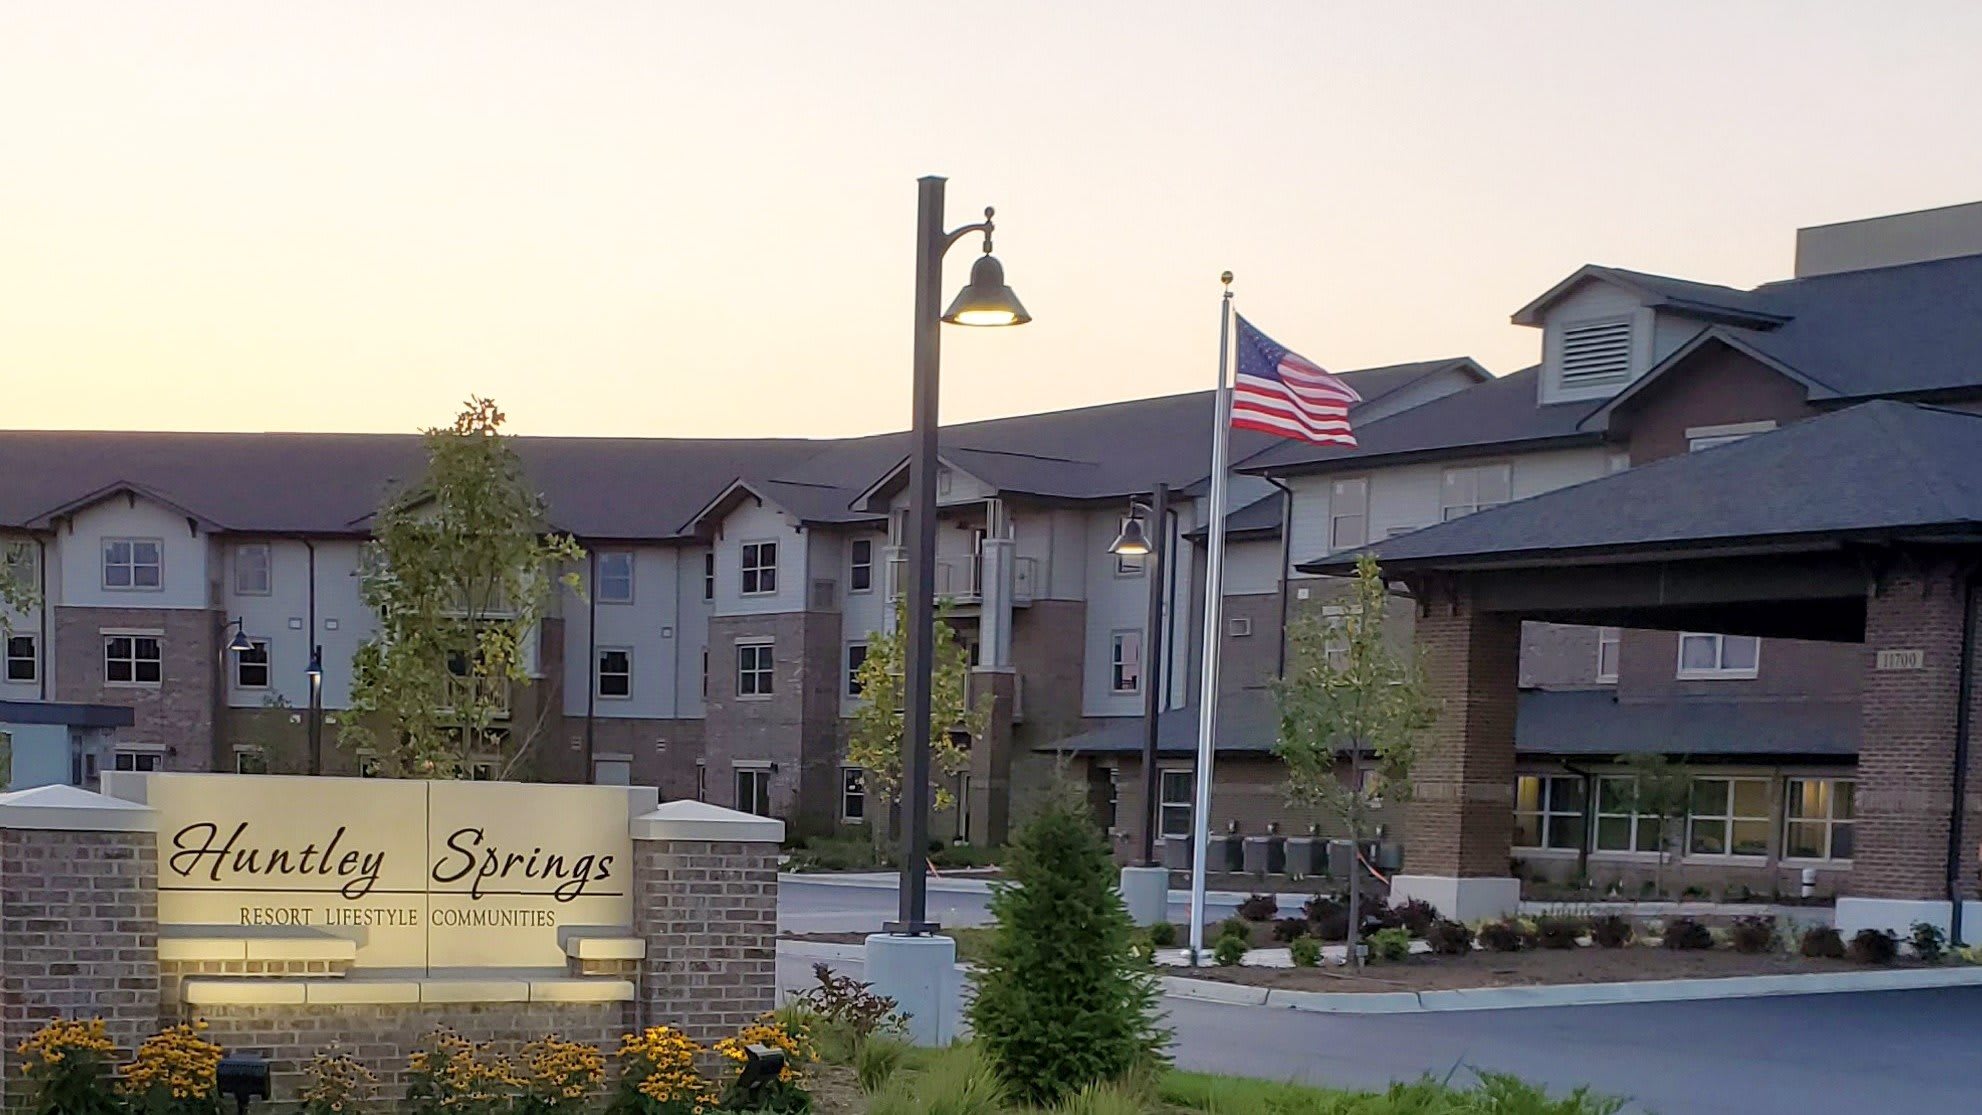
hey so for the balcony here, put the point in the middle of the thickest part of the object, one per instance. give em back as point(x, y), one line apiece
point(959, 580)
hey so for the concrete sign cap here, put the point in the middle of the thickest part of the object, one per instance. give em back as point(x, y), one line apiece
point(698, 820)
point(72, 809)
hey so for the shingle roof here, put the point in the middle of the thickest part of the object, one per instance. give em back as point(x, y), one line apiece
point(1878, 468)
point(1593, 723)
point(1498, 413)
point(1247, 724)
point(1706, 301)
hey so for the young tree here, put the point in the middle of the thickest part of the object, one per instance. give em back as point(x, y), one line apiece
point(874, 742)
point(18, 594)
point(1349, 686)
point(459, 575)
point(1062, 1001)
point(1662, 790)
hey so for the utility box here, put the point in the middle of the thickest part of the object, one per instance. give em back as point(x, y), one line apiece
point(1266, 855)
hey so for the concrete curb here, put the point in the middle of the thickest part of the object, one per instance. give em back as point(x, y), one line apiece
point(1570, 995)
point(888, 882)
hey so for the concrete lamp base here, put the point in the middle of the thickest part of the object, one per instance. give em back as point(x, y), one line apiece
point(919, 974)
point(1899, 914)
point(1461, 899)
point(1146, 892)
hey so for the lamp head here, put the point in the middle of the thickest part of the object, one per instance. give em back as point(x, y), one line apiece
point(314, 671)
point(986, 300)
point(1133, 541)
point(240, 643)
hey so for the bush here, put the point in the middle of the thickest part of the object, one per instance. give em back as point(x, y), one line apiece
point(965, 855)
point(1450, 938)
point(783, 1094)
point(1289, 929)
point(1559, 932)
point(1163, 935)
point(1756, 934)
point(173, 1073)
point(1378, 914)
point(1822, 942)
point(1612, 931)
point(1929, 943)
point(1506, 935)
point(1233, 927)
point(877, 1060)
point(961, 1080)
point(1322, 906)
point(1390, 945)
point(68, 1068)
point(1306, 952)
point(1061, 1001)
point(334, 1083)
point(1873, 946)
point(1688, 933)
point(1331, 926)
point(1229, 951)
point(848, 1005)
point(1418, 916)
point(1259, 907)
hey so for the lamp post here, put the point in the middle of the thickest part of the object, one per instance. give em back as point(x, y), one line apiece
point(315, 674)
point(1146, 883)
point(904, 962)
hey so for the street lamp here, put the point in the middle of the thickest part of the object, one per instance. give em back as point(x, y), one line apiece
point(240, 643)
point(315, 673)
point(1145, 883)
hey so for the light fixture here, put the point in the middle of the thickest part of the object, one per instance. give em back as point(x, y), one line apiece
point(314, 671)
point(986, 300)
point(1132, 542)
point(240, 643)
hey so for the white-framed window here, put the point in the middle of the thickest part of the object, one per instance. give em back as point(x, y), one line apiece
point(133, 564)
point(1706, 656)
point(701, 780)
point(1819, 815)
point(1125, 662)
point(1348, 513)
point(760, 568)
point(484, 768)
point(369, 765)
point(1729, 817)
point(1127, 565)
point(753, 788)
point(1174, 801)
point(860, 565)
point(856, 657)
point(1474, 488)
point(250, 759)
point(252, 569)
point(1548, 811)
point(615, 577)
point(135, 758)
point(709, 575)
point(705, 673)
point(132, 659)
point(23, 658)
point(754, 669)
point(1610, 643)
point(1619, 826)
point(1706, 437)
point(853, 795)
point(251, 666)
point(615, 680)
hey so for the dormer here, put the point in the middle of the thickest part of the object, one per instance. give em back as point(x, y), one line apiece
point(1603, 327)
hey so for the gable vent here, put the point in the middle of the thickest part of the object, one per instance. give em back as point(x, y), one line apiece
point(1596, 353)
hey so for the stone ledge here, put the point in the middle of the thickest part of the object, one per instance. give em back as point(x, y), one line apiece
point(208, 992)
point(697, 820)
point(210, 943)
point(71, 809)
point(604, 944)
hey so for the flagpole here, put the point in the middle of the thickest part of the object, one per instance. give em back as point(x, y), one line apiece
point(1214, 601)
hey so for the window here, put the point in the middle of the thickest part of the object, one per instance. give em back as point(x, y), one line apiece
point(1126, 663)
point(1239, 627)
point(753, 790)
point(250, 760)
point(760, 568)
point(135, 759)
point(753, 669)
point(17, 562)
point(709, 575)
point(251, 666)
point(368, 765)
point(132, 564)
point(1610, 641)
point(1173, 804)
point(1595, 353)
point(853, 795)
point(1818, 818)
point(1548, 811)
point(701, 780)
point(705, 673)
point(1466, 490)
point(1335, 634)
point(251, 570)
point(132, 660)
point(615, 679)
point(1619, 827)
point(1730, 817)
point(1706, 437)
point(860, 565)
point(1127, 565)
point(482, 770)
point(615, 577)
point(23, 658)
point(1348, 513)
point(856, 657)
point(1718, 656)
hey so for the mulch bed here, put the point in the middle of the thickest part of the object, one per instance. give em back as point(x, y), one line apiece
point(1521, 969)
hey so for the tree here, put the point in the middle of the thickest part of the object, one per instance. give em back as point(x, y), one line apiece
point(459, 574)
point(1349, 686)
point(874, 741)
point(18, 594)
point(1062, 1000)
point(1662, 790)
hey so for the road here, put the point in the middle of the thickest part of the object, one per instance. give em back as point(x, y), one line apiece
point(813, 907)
point(1806, 1055)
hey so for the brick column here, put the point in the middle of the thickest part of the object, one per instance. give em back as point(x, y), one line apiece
point(1461, 822)
point(706, 901)
point(1906, 752)
point(78, 917)
point(991, 757)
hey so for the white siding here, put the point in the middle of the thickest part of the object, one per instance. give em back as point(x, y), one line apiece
point(1114, 603)
point(80, 549)
point(753, 522)
point(650, 627)
point(1252, 568)
point(691, 633)
point(283, 618)
point(28, 622)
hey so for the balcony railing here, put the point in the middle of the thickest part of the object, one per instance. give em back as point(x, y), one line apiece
point(960, 579)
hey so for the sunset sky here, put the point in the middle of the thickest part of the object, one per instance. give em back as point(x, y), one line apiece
point(696, 219)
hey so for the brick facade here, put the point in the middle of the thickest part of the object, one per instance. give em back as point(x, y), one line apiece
point(794, 728)
point(1462, 818)
point(709, 914)
point(178, 713)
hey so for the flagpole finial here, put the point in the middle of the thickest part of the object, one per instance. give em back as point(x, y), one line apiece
point(1226, 278)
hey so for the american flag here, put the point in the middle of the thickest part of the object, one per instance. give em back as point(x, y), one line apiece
point(1282, 393)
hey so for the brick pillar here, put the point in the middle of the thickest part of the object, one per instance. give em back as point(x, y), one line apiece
point(706, 900)
point(991, 758)
point(1905, 787)
point(1461, 822)
point(78, 917)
